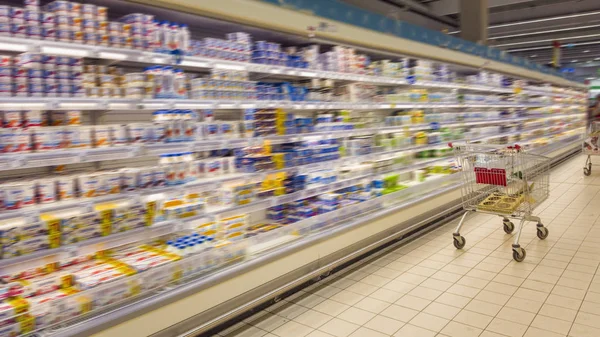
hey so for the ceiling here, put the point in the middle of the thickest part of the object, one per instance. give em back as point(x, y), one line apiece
point(525, 28)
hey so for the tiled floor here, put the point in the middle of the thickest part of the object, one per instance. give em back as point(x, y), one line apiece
point(428, 288)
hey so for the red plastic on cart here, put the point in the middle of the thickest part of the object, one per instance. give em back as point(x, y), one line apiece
point(493, 176)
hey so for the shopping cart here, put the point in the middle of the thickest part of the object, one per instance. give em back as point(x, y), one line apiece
point(503, 181)
point(590, 146)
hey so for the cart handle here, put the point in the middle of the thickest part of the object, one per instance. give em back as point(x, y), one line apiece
point(515, 147)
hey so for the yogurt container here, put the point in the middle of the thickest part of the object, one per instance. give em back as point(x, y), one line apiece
point(18, 29)
point(130, 178)
point(46, 138)
point(13, 195)
point(31, 118)
point(88, 11)
point(112, 182)
point(46, 191)
point(11, 119)
point(77, 137)
point(146, 177)
point(48, 19)
point(89, 184)
point(159, 176)
point(138, 133)
point(101, 136)
point(65, 187)
point(58, 7)
point(119, 135)
point(101, 13)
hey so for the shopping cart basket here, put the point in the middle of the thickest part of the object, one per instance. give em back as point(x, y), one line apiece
point(503, 181)
point(590, 146)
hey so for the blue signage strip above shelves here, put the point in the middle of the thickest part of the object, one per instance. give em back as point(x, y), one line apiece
point(346, 13)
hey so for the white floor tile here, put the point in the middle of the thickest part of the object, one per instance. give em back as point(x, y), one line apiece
point(428, 321)
point(313, 319)
point(551, 324)
point(410, 330)
point(472, 318)
point(455, 329)
point(429, 289)
point(365, 332)
point(507, 328)
point(356, 316)
point(441, 310)
point(384, 324)
point(399, 313)
point(516, 315)
point(292, 329)
point(338, 328)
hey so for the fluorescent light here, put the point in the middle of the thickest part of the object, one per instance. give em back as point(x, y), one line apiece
point(534, 55)
point(586, 51)
point(527, 49)
point(112, 56)
point(198, 64)
point(65, 51)
point(542, 32)
point(547, 40)
point(161, 60)
point(19, 106)
point(229, 66)
point(536, 21)
point(597, 59)
point(13, 46)
point(573, 61)
point(590, 78)
point(550, 47)
point(543, 20)
point(78, 105)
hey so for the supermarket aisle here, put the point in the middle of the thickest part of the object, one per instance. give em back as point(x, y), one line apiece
point(428, 288)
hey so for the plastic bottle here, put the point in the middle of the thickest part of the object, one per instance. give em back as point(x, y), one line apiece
point(199, 245)
point(165, 35)
point(174, 36)
point(179, 85)
point(190, 249)
point(184, 38)
point(167, 82)
point(170, 247)
point(154, 35)
point(181, 250)
point(209, 243)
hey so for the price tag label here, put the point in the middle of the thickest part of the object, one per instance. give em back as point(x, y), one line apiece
point(71, 251)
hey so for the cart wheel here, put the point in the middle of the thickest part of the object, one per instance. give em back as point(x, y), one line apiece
point(542, 232)
point(459, 242)
point(587, 170)
point(519, 254)
point(509, 227)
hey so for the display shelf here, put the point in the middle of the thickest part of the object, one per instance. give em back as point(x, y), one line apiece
point(120, 104)
point(203, 64)
point(74, 156)
point(41, 258)
point(165, 227)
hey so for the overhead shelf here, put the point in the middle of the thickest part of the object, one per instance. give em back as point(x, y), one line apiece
point(12, 44)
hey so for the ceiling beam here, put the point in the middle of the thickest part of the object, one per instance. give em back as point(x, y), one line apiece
point(448, 7)
point(423, 10)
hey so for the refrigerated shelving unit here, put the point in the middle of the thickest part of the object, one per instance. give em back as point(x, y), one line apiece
point(276, 262)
